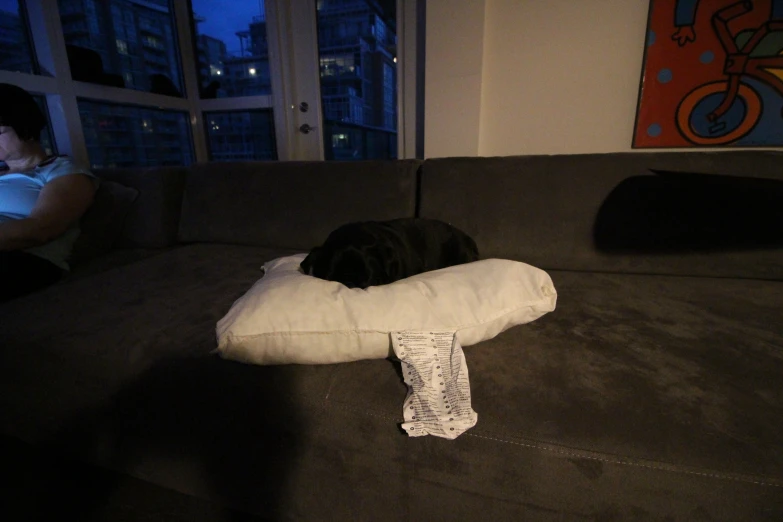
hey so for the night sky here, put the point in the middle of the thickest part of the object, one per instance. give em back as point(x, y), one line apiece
point(223, 21)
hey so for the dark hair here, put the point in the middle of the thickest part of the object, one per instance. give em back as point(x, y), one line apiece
point(19, 111)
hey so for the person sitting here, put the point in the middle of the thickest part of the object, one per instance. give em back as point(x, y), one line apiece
point(42, 199)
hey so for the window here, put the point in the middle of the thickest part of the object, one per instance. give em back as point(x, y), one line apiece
point(241, 135)
point(15, 51)
point(101, 34)
point(115, 78)
point(358, 79)
point(233, 55)
point(128, 136)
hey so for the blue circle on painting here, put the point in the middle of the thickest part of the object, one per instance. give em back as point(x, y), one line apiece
point(707, 57)
point(701, 124)
point(654, 130)
point(650, 38)
point(665, 75)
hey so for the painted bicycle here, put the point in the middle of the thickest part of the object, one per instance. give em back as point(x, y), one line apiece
point(724, 111)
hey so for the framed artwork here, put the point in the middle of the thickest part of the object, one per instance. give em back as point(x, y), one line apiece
point(712, 75)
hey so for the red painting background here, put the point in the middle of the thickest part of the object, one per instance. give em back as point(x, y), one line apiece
point(658, 101)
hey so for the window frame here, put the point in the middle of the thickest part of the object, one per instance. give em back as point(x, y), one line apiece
point(62, 93)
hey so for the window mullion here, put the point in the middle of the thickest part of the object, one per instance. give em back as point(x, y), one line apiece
point(49, 43)
point(183, 20)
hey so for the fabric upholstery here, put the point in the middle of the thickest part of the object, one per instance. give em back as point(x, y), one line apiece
point(683, 371)
point(292, 204)
point(102, 224)
point(632, 395)
point(153, 219)
point(130, 379)
point(641, 397)
point(116, 258)
point(542, 209)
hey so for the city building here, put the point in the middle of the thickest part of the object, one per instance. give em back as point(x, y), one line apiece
point(15, 52)
point(133, 38)
point(358, 79)
point(137, 48)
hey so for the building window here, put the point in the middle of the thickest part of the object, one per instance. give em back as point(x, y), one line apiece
point(15, 51)
point(241, 135)
point(128, 136)
point(99, 34)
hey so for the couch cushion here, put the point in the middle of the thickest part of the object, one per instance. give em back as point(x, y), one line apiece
point(116, 258)
point(292, 204)
point(679, 373)
point(86, 338)
point(543, 209)
point(639, 397)
point(153, 219)
point(102, 224)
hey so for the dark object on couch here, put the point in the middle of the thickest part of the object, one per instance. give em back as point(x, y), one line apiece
point(373, 253)
point(653, 392)
point(682, 211)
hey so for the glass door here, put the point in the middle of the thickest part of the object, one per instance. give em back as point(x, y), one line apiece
point(320, 75)
point(357, 54)
point(235, 69)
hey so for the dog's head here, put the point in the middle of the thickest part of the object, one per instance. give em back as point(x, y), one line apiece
point(349, 256)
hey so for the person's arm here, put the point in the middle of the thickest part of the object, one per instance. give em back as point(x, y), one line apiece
point(61, 203)
point(684, 18)
point(685, 12)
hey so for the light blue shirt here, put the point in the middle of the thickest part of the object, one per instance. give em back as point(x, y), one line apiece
point(19, 192)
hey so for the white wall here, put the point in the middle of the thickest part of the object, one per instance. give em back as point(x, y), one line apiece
point(560, 76)
point(553, 76)
point(453, 77)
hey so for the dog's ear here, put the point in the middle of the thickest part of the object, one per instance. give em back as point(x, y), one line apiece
point(307, 264)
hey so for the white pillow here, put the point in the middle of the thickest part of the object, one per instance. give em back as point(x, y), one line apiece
point(289, 317)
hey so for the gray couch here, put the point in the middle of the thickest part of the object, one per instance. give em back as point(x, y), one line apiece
point(653, 392)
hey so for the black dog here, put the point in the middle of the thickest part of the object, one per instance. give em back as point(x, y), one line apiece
point(373, 253)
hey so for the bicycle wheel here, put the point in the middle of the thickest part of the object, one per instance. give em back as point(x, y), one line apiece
point(741, 118)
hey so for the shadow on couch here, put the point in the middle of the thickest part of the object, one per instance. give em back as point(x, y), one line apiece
point(675, 212)
point(227, 427)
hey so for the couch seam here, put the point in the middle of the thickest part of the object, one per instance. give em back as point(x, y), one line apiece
point(674, 468)
point(574, 452)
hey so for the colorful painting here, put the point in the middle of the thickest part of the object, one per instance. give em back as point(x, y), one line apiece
point(712, 75)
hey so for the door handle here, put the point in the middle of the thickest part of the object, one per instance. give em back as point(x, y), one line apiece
point(305, 128)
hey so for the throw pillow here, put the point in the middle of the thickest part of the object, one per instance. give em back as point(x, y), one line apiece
point(289, 317)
